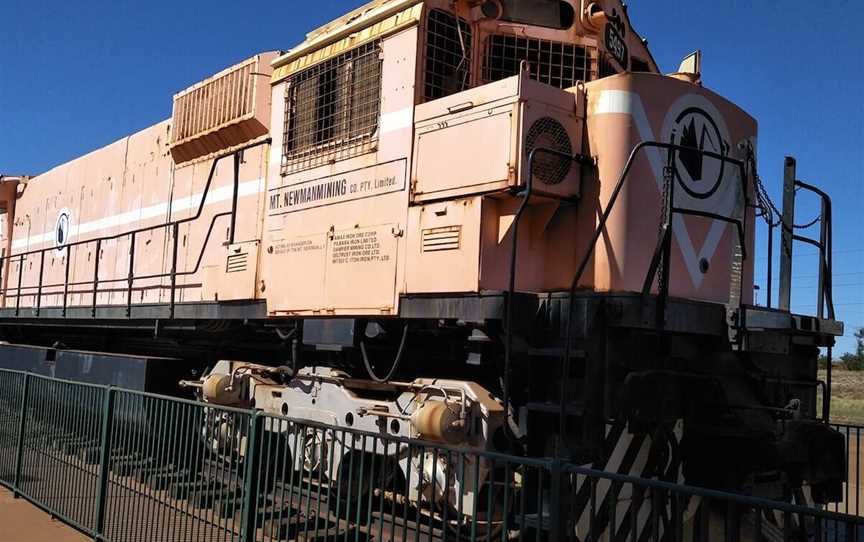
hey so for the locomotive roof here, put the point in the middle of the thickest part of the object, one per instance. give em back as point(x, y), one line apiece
point(358, 16)
point(355, 27)
point(374, 20)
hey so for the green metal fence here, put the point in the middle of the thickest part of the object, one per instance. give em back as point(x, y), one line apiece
point(127, 466)
point(853, 489)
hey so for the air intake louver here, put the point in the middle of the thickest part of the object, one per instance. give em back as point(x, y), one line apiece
point(438, 239)
point(237, 263)
point(223, 111)
point(549, 134)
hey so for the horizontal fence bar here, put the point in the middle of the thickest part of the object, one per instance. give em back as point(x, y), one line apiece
point(124, 465)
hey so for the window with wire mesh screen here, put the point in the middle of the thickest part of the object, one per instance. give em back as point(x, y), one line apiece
point(332, 110)
point(555, 63)
point(448, 54)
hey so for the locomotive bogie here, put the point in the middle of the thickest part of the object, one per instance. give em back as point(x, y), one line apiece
point(437, 410)
point(453, 413)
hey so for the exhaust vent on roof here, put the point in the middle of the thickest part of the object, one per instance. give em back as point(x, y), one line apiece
point(223, 111)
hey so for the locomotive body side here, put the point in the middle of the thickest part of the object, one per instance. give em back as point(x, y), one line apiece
point(361, 185)
point(337, 193)
point(86, 210)
point(98, 194)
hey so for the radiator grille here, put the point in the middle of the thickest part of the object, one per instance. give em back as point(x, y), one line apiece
point(548, 133)
point(332, 109)
point(237, 263)
point(448, 54)
point(558, 64)
point(438, 239)
point(214, 103)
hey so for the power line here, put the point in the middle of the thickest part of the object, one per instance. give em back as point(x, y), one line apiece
point(816, 253)
point(835, 304)
point(763, 286)
point(813, 276)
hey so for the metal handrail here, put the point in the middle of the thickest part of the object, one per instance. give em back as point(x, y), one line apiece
point(141, 277)
point(601, 226)
point(824, 245)
point(706, 493)
point(132, 234)
point(511, 282)
point(526, 195)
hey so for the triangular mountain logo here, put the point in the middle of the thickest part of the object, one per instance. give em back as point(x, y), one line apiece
point(691, 160)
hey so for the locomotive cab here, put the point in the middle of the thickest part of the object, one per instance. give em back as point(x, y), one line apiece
point(369, 107)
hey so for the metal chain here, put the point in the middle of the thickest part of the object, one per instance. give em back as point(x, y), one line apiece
point(668, 172)
point(765, 205)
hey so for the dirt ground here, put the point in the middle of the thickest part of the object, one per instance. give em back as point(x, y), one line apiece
point(847, 407)
point(20, 521)
point(847, 396)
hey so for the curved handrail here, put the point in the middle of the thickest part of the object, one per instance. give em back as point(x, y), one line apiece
point(826, 294)
point(511, 282)
point(601, 226)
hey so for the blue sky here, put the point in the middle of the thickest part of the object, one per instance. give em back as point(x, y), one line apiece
point(77, 75)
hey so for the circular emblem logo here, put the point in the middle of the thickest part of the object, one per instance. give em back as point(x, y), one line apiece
point(699, 175)
point(708, 183)
point(62, 230)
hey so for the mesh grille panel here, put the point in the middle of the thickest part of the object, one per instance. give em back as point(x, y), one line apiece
point(549, 134)
point(558, 64)
point(448, 54)
point(214, 103)
point(332, 109)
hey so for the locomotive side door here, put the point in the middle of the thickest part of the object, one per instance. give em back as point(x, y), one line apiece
point(337, 195)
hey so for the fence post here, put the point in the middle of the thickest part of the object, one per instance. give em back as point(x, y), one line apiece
point(19, 450)
point(104, 461)
point(250, 481)
point(558, 516)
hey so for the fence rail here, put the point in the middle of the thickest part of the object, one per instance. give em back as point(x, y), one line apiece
point(853, 489)
point(124, 466)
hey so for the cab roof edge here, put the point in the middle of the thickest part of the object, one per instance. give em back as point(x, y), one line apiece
point(343, 26)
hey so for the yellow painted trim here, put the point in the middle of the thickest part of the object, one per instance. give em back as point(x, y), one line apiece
point(286, 66)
